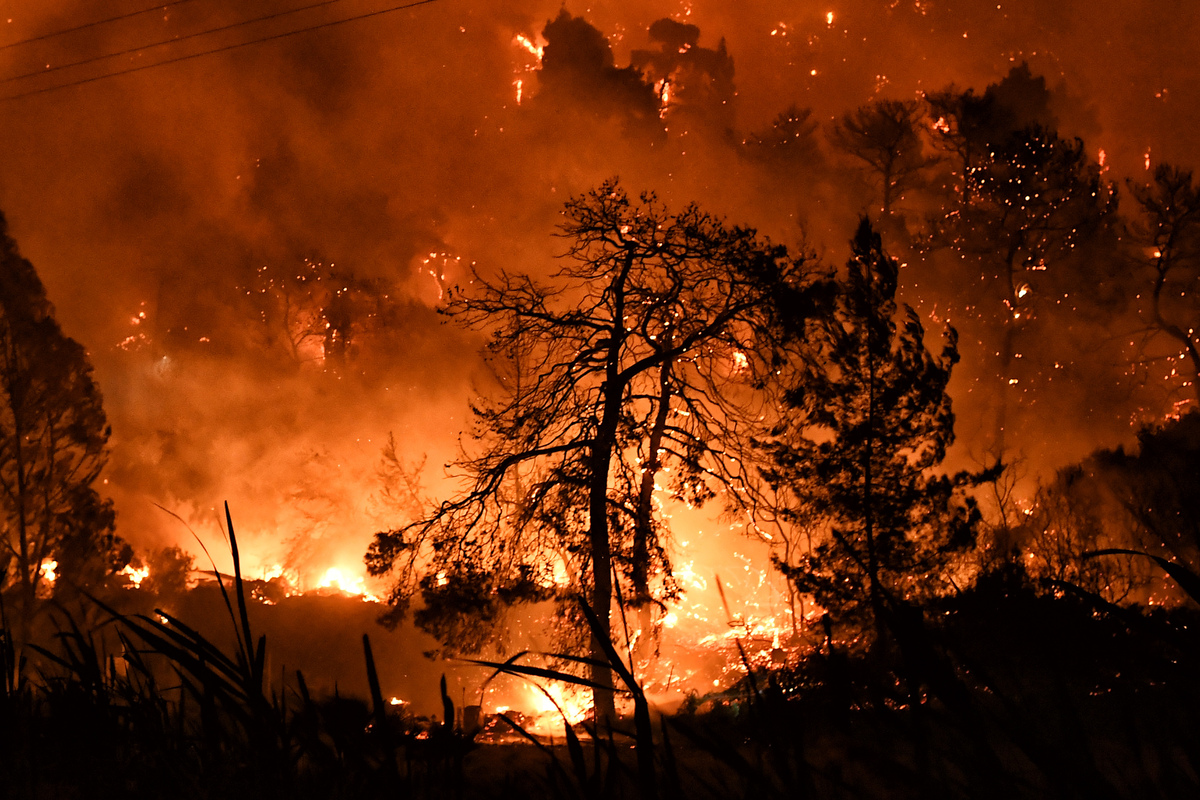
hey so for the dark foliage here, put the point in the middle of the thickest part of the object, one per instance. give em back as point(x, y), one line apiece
point(53, 440)
point(851, 462)
point(885, 137)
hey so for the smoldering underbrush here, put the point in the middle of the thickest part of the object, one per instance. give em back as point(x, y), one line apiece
point(1016, 687)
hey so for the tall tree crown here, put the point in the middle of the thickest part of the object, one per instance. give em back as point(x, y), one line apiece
point(639, 352)
point(854, 462)
point(53, 438)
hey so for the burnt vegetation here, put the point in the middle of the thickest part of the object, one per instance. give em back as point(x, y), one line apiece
point(962, 643)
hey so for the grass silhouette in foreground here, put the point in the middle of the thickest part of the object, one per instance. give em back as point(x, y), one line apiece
point(1002, 691)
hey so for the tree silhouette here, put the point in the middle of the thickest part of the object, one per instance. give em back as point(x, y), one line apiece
point(866, 423)
point(966, 125)
point(1034, 199)
point(1169, 232)
point(53, 437)
point(316, 312)
point(790, 143)
point(640, 353)
point(689, 78)
point(579, 73)
point(884, 136)
point(1155, 486)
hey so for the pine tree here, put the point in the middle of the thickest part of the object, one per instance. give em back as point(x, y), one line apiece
point(853, 463)
point(884, 136)
point(53, 438)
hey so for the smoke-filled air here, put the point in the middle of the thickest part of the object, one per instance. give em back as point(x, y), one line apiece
point(663, 399)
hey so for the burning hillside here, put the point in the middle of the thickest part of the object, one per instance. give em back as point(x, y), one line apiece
point(679, 357)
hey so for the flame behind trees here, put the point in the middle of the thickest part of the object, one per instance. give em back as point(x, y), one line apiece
point(626, 365)
point(53, 440)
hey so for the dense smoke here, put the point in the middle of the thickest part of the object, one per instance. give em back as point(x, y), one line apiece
point(189, 220)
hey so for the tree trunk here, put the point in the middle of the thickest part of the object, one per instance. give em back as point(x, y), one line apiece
point(603, 699)
point(888, 176)
point(1176, 332)
point(613, 391)
point(643, 532)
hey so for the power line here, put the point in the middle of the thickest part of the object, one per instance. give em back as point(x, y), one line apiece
point(164, 42)
point(86, 25)
point(223, 49)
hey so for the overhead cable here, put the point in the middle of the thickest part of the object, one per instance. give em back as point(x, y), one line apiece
point(223, 49)
point(164, 42)
point(86, 25)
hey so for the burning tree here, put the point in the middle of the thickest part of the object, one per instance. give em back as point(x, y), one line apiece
point(53, 437)
point(851, 460)
point(1034, 201)
point(317, 312)
point(638, 357)
point(967, 126)
point(1170, 233)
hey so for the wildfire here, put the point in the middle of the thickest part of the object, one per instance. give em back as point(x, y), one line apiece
point(336, 578)
point(554, 704)
point(274, 571)
point(534, 50)
point(138, 339)
point(436, 264)
point(135, 574)
point(663, 88)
